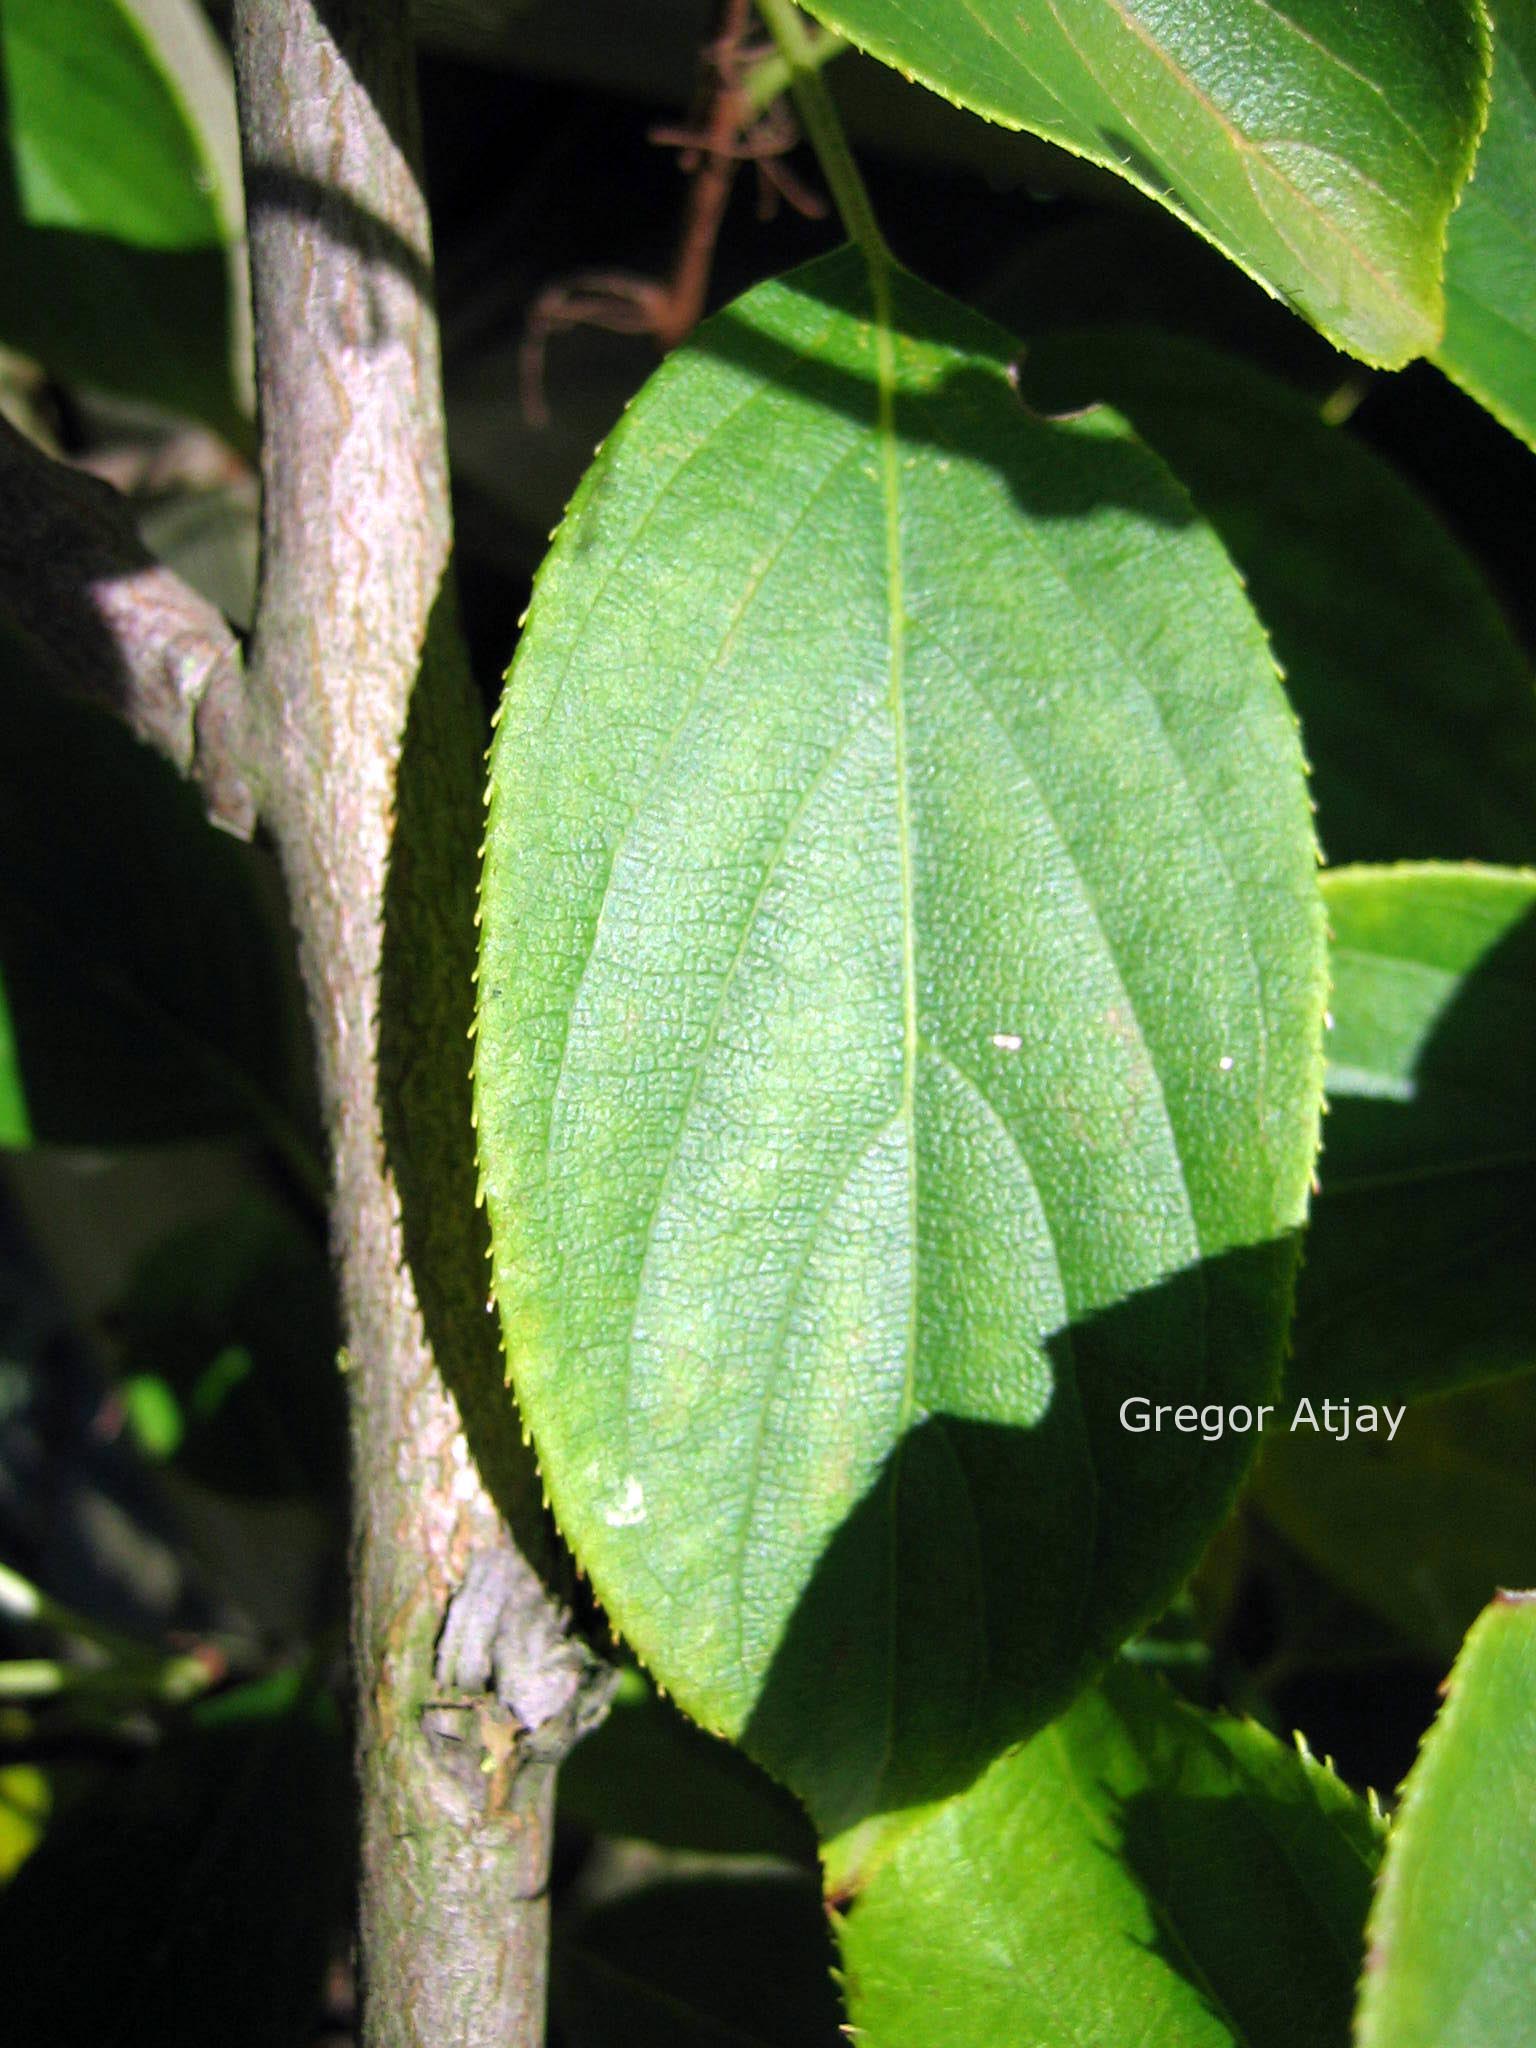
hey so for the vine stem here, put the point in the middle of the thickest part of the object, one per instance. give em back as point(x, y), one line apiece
point(803, 56)
point(772, 78)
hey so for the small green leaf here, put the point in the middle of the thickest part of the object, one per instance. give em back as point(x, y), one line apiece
point(1420, 1270)
point(1453, 1929)
point(116, 221)
point(154, 1415)
point(738, 1960)
point(142, 985)
point(1490, 280)
point(900, 1008)
point(25, 1801)
point(1139, 1872)
point(1321, 147)
point(1417, 706)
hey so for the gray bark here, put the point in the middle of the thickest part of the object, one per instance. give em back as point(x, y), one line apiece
point(364, 744)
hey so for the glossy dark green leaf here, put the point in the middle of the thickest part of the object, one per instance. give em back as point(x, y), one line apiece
point(1139, 1872)
point(143, 986)
point(1417, 707)
point(114, 230)
point(1490, 278)
point(738, 1961)
point(899, 1032)
point(1106, 267)
point(1424, 1529)
point(232, 1323)
point(198, 1894)
point(1420, 1272)
point(1321, 147)
point(1453, 1930)
point(649, 1774)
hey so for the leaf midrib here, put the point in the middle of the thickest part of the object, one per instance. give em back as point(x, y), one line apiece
point(1242, 145)
point(1245, 147)
point(890, 481)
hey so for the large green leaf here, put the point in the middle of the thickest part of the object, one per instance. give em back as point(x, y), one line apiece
point(1139, 1872)
point(141, 982)
point(1420, 1271)
point(1321, 147)
point(899, 1033)
point(1490, 278)
point(1417, 706)
point(1453, 1931)
point(116, 207)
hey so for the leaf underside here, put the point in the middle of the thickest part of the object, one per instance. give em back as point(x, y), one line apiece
point(1322, 147)
point(898, 1041)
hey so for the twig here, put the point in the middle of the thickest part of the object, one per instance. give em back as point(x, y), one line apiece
point(712, 153)
point(171, 1680)
point(113, 624)
point(736, 127)
point(370, 748)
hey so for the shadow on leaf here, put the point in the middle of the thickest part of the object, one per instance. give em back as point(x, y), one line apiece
point(1015, 1560)
point(958, 415)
